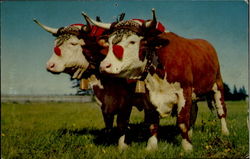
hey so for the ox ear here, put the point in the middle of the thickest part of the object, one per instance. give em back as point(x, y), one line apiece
point(103, 42)
point(98, 19)
point(122, 15)
point(157, 42)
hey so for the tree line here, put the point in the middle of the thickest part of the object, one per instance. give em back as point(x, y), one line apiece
point(236, 94)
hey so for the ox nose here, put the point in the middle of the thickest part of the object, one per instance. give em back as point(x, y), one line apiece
point(50, 66)
point(108, 66)
point(104, 66)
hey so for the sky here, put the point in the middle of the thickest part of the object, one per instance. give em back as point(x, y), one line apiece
point(25, 47)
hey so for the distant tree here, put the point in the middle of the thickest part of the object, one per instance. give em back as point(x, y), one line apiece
point(242, 90)
point(227, 92)
point(242, 94)
point(239, 94)
point(235, 90)
point(76, 84)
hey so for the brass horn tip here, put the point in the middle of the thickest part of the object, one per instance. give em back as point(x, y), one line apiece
point(34, 19)
point(153, 10)
point(84, 14)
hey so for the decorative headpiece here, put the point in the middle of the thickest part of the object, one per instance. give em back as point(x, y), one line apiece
point(129, 24)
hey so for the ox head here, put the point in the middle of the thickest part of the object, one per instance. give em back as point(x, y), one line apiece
point(128, 45)
point(68, 54)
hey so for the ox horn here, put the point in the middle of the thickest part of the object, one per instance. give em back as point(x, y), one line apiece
point(153, 22)
point(99, 24)
point(48, 29)
point(87, 28)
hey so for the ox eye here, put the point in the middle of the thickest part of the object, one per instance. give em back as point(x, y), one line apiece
point(132, 42)
point(72, 43)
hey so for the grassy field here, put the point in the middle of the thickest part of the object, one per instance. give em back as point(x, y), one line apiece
point(74, 130)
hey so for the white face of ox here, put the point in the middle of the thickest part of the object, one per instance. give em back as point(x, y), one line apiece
point(122, 59)
point(68, 57)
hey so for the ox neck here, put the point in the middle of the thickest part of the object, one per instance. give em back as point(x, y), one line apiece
point(150, 52)
point(94, 57)
point(91, 70)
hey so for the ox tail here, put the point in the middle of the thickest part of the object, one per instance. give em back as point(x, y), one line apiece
point(220, 87)
point(220, 103)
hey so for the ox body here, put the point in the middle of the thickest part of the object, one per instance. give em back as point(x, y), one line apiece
point(78, 51)
point(176, 71)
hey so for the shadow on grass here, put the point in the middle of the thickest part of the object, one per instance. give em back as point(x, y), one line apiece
point(137, 133)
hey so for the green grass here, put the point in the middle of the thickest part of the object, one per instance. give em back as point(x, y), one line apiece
point(74, 130)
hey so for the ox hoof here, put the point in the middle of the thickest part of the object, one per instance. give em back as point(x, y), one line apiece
point(187, 146)
point(122, 146)
point(225, 132)
point(152, 144)
point(224, 129)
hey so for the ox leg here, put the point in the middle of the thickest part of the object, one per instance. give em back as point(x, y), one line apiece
point(221, 106)
point(122, 125)
point(184, 117)
point(152, 119)
point(108, 120)
point(210, 100)
point(193, 117)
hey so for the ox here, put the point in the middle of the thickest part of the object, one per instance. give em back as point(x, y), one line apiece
point(78, 51)
point(176, 71)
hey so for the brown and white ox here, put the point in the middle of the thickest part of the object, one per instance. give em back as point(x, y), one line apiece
point(176, 71)
point(78, 51)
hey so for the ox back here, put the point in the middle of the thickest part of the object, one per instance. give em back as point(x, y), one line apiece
point(190, 62)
